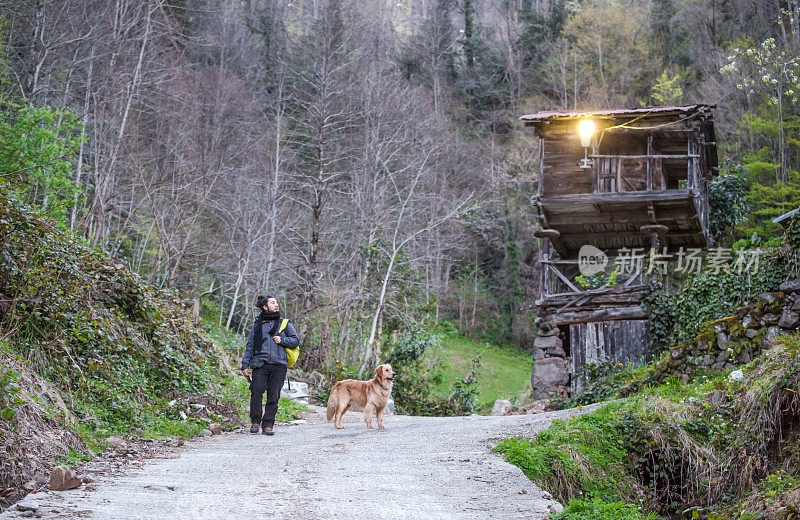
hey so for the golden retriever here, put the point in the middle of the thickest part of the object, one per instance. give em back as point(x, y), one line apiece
point(371, 395)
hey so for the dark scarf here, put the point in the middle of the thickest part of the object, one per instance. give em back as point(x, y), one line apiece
point(258, 338)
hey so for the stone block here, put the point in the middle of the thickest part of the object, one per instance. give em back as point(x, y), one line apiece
point(772, 333)
point(502, 407)
point(548, 343)
point(791, 286)
point(297, 391)
point(546, 373)
point(538, 406)
point(749, 323)
point(62, 478)
point(751, 333)
point(789, 319)
point(770, 319)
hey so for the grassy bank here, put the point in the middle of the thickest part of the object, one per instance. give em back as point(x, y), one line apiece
point(713, 448)
point(503, 373)
point(90, 351)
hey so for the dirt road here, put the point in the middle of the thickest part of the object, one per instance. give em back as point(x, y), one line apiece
point(417, 468)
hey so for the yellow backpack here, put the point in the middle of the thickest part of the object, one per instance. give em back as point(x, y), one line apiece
point(291, 353)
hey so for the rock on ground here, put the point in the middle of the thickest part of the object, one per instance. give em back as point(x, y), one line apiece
point(418, 467)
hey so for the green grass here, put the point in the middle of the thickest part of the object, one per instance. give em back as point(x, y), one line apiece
point(598, 509)
point(503, 372)
point(288, 410)
point(586, 451)
point(72, 459)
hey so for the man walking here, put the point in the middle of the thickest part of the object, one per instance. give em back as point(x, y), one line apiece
point(264, 362)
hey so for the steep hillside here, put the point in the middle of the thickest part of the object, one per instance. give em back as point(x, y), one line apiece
point(87, 350)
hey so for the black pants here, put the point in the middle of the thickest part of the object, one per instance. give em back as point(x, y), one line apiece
point(267, 378)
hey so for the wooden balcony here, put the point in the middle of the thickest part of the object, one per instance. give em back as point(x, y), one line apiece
point(610, 221)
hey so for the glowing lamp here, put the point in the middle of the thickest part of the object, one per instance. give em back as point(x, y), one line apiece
point(586, 131)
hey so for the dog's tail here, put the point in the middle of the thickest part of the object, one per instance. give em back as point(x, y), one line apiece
point(332, 400)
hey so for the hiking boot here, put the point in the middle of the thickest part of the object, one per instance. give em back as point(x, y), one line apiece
point(254, 428)
point(268, 431)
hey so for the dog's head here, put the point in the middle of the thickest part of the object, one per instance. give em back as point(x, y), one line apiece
point(385, 372)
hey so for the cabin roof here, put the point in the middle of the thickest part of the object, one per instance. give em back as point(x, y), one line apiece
point(560, 115)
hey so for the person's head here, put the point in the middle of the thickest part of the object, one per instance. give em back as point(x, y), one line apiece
point(267, 303)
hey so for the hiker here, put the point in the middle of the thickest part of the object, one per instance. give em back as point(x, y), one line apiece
point(264, 363)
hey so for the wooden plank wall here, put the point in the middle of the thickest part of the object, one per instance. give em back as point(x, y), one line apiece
point(624, 341)
point(561, 172)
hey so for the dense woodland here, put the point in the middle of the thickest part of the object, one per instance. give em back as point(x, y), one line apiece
point(362, 159)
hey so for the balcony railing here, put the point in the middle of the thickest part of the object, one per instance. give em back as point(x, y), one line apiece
point(561, 289)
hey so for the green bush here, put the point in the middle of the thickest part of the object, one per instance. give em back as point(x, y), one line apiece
point(9, 392)
point(37, 158)
point(598, 509)
point(414, 389)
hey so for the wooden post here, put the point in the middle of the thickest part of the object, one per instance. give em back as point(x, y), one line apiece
point(546, 235)
point(691, 180)
point(546, 267)
point(649, 161)
point(595, 168)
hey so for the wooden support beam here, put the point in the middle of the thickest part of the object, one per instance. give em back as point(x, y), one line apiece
point(560, 201)
point(646, 156)
point(636, 312)
point(564, 279)
point(619, 292)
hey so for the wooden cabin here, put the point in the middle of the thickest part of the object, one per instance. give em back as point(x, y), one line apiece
point(637, 180)
point(647, 166)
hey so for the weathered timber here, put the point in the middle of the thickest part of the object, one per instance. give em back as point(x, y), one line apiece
point(624, 341)
point(646, 156)
point(628, 296)
point(634, 312)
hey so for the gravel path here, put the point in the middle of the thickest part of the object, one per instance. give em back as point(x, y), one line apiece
point(418, 467)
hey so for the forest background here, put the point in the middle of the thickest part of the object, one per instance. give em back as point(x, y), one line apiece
point(362, 159)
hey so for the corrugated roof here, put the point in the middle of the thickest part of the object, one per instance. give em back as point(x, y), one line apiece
point(790, 214)
point(633, 112)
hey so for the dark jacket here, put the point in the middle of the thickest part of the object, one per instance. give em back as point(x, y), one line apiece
point(269, 351)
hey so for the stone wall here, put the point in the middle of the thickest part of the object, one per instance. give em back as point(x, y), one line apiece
point(722, 344)
point(737, 339)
